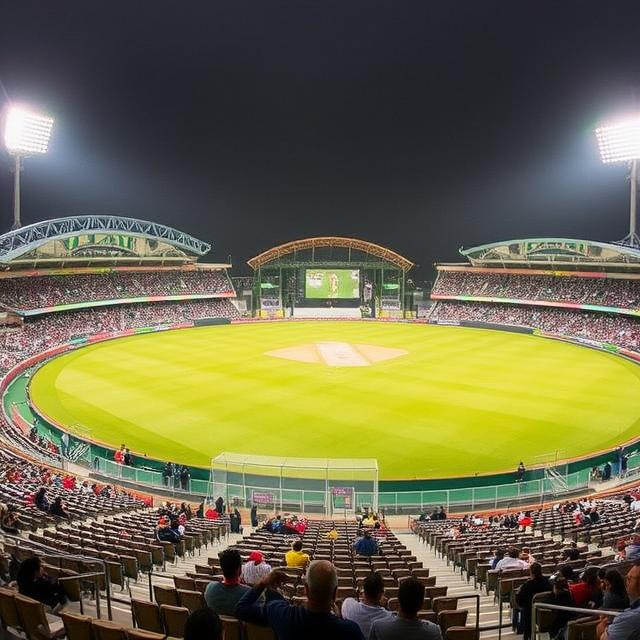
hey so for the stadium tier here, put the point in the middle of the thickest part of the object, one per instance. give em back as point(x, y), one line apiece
point(57, 308)
point(46, 292)
point(544, 284)
point(329, 277)
point(45, 332)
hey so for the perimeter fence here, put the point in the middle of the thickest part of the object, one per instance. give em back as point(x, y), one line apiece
point(392, 502)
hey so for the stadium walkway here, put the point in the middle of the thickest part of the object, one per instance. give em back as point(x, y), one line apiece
point(458, 586)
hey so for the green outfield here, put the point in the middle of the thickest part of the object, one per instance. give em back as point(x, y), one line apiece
point(426, 401)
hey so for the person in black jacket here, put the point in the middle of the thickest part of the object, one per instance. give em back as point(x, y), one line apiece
point(34, 583)
point(614, 591)
point(537, 583)
point(185, 476)
point(254, 516)
point(167, 473)
point(40, 500)
point(57, 509)
point(562, 597)
point(235, 521)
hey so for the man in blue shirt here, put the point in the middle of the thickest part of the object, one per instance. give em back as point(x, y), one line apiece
point(367, 545)
point(626, 625)
point(315, 621)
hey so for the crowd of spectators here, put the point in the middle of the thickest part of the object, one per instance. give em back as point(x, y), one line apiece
point(44, 332)
point(609, 292)
point(623, 331)
point(37, 292)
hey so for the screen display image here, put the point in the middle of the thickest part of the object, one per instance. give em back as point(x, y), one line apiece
point(332, 283)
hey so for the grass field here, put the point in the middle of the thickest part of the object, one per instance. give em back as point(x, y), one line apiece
point(459, 402)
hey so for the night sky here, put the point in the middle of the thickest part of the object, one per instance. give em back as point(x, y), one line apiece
point(423, 126)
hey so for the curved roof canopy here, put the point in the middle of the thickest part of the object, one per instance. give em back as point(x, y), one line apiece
point(552, 250)
point(330, 241)
point(94, 230)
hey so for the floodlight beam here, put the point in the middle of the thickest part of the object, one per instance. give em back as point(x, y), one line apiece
point(25, 133)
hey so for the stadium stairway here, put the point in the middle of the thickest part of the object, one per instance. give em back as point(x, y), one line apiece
point(458, 586)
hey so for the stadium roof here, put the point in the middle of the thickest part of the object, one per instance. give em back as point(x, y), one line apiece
point(552, 251)
point(331, 241)
point(15, 244)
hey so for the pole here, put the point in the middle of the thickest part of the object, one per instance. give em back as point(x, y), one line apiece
point(16, 194)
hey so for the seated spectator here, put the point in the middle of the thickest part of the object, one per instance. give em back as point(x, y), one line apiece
point(222, 597)
point(296, 557)
point(614, 592)
point(632, 549)
point(625, 626)
point(567, 573)
point(165, 533)
point(527, 556)
point(314, 621)
point(369, 608)
point(366, 545)
point(497, 556)
point(40, 500)
point(537, 583)
point(406, 625)
point(57, 509)
point(511, 561)
point(203, 623)
point(571, 552)
point(586, 593)
point(255, 569)
point(9, 519)
point(369, 520)
point(332, 535)
point(34, 583)
point(561, 597)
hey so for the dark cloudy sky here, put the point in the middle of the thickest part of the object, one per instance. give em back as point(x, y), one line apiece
point(420, 125)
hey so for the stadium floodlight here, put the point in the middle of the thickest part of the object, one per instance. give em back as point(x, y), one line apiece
point(25, 134)
point(620, 142)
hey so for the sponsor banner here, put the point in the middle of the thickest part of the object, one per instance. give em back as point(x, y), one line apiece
point(263, 497)
point(342, 491)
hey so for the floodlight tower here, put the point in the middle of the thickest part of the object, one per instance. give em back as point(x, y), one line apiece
point(25, 134)
point(620, 142)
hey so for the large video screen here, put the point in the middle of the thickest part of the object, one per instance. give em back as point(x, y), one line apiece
point(332, 283)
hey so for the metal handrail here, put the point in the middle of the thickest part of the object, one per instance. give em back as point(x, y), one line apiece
point(476, 597)
point(55, 553)
point(594, 613)
point(81, 576)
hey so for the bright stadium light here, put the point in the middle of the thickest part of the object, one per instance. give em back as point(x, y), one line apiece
point(620, 142)
point(25, 134)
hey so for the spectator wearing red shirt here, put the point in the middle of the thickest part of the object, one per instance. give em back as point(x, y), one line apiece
point(118, 456)
point(587, 593)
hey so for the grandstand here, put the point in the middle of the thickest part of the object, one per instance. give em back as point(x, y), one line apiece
point(67, 284)
point(576, 289)
point(330, 277)
point(66, 280)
